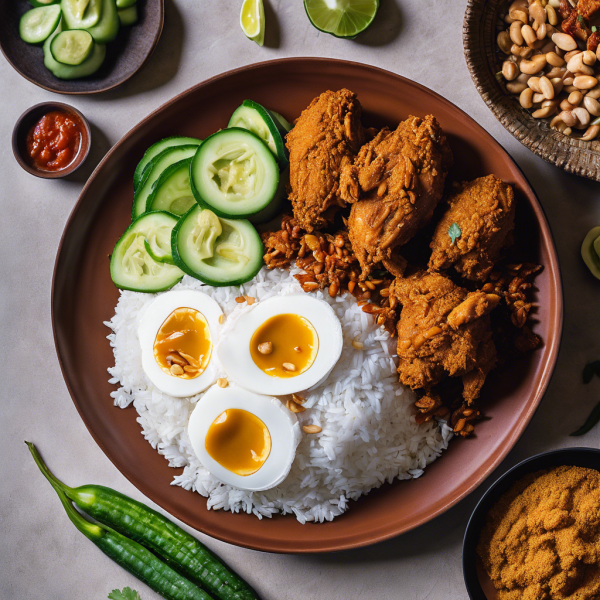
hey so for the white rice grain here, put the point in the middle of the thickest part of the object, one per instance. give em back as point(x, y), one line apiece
point(369, 435)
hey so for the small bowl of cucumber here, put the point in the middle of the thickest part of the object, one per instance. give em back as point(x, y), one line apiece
point(51, 140)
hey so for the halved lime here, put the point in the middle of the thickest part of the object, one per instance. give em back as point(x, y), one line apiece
point(252, 20)
point(341, 18)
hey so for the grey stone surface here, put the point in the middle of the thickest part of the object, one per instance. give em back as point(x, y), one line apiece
point(41, 554)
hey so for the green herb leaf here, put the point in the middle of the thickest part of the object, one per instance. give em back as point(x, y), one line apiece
point(589, 423)
point(580, 19)
point(454, 232)
point(126, 594)
point(594, 29)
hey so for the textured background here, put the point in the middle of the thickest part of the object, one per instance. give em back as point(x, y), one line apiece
point(42, 555)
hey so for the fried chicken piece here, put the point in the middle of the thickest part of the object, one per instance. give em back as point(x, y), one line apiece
point(484, 210)
point(588, 8)
point(443, 331)
point(394, 185)
point(326, 137)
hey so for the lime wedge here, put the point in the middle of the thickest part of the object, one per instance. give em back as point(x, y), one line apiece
point(252, 20)
point(341, 18)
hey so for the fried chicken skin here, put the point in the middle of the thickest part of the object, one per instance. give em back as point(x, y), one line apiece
point(326, 137)
point(443, 331)
point(484, 209)
point(394, 185)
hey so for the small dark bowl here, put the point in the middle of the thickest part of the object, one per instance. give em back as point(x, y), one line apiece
point(479, 585)
point(125, 56)
point(24, 124)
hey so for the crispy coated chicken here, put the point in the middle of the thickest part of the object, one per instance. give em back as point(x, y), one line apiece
point(484, 210)
point(394, 184)
point(443, 331)
point(325, 138)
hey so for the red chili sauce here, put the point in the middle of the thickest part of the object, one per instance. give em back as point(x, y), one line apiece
point(54, 141)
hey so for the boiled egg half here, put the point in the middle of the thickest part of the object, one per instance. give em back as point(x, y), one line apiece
point(282, 345)
point(178, 333)
point(244, 439)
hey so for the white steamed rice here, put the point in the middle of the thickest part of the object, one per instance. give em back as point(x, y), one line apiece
point(369, 432)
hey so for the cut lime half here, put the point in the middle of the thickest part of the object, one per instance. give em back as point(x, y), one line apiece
point(252, 20)
point(341, 18)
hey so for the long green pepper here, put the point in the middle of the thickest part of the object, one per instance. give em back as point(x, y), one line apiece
point(182, 553)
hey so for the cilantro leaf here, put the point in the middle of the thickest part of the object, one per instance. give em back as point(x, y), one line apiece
point(126, 594)
point(580, 19)
point(454, 232)
point(594, 29)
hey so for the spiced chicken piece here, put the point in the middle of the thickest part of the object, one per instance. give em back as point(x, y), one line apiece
point(394, 186)
point(484, 210)
point(326, 137)
point(443, 331)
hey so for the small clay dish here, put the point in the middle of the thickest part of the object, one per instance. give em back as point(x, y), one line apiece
point(479, 585)
point(28, 119)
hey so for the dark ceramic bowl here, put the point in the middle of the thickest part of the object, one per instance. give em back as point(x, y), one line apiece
point(125, 56)
point(479, 585)
point(28, 119)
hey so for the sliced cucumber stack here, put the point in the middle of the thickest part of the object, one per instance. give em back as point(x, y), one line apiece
point(234, 174)
point(132, 267)
point(256, 118)
point(89, 66)
point(282, 121)
point(214, 250)
point(72, 47)
point(128, 16)
point(155, 150)
point(38, 3)
point(81, 14)
point(159, 163)
point(37, 24)
point(172, 191)
point(107, 28)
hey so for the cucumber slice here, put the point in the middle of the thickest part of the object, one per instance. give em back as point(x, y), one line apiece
point(81, 14)
point(38, 3)
point(234, 174)
point(256, 118)
point(108, 26)
point(275, 206)
point(172, 191)
point(282, 120)
point(125, 3)
point(165, 159)
point(37, 24)
point(90, 65)
point(72, 47)
point(132, 267)
point(155, 150)
point(128, 16)
point(214, 250)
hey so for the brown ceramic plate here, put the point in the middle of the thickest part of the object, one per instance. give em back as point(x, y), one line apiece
point(125, 56)
point(83, 296)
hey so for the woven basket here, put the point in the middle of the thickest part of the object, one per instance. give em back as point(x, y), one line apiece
point(484, 60)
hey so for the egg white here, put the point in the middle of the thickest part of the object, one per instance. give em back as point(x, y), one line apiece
point(282, 424)
point(151, 321)
point(233, 348)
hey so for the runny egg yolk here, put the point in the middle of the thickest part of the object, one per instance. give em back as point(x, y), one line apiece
point(182, 346)
point(284, 345)
point(239, 441)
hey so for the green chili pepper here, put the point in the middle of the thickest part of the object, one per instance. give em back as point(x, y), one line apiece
point(182, 552)
point(590, 251)
point(590, 422)
point(133, 557)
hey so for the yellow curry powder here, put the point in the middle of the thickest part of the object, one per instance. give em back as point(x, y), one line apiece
point(541, 541)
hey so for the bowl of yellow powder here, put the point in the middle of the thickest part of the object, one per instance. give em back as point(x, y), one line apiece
point(535, 534)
